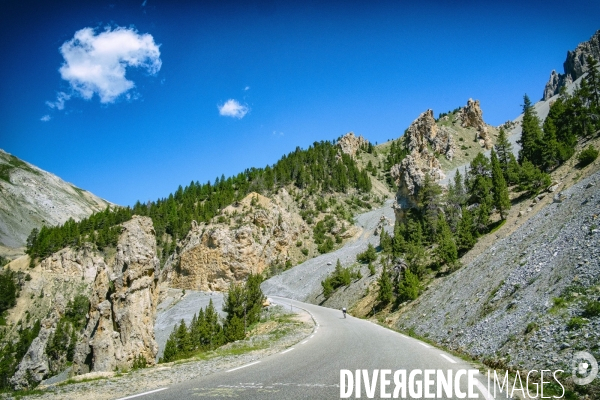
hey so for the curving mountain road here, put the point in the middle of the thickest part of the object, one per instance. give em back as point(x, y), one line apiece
point(311, 368)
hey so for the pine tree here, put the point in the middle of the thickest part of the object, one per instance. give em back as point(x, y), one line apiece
point(184, 344)
point(531, 179)
point(385, 242)
point(499, 187)
point(503, 148)
point(513, 170)
point(415, 258)
point(409, 287)
point(531, 134)
point(254, 298)
point(170, 353)
point(446, 250)
point(593, 81)
point(480, 182)
point(429, 202)
point(234, 329)
point(466, 233)
point(385, 287)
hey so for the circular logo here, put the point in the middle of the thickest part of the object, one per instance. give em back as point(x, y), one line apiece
point(585, 368)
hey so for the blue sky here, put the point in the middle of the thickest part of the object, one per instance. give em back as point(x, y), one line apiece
point(132, 109)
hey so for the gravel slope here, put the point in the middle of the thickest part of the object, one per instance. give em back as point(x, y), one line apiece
point(180, 305)
point(501, 305)
point(304, 280)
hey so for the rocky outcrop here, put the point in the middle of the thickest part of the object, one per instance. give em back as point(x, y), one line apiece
point(350, 144)
point(424, 133)
point(32, 197)
point(471, 116)
point(574, 66)
point(409, 175)
point(68, 262)
point(212, 256)
point(123, 304)
point(33, 368)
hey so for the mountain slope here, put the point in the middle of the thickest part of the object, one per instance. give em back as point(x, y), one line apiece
point(31, 197)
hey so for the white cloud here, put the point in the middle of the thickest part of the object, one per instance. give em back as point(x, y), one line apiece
point(59, 104)
point(144, 3)
point(246, 88)
point(46, 118)
point(96, 64)
point(275, 133)
point(231, 108)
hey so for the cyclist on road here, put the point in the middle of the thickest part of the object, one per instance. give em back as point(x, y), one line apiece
point(344, 311)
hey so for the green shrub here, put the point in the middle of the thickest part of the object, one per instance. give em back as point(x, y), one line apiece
point(368, 255)
point(532, 326)
point(77, 310)
point(139, 362)
point(8, 290)
point(304, 251)
point(409, 288)
point(339, 277)
point(592, 309)
point(587, 156)
point(371, 269)
point(576, 323)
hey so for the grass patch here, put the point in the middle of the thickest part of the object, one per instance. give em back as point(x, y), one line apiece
point(73, 380)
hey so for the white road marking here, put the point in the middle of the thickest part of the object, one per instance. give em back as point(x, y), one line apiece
point(311, 336)
point(143, 394)
point(487, 395)
point(448, 358)
point(244, 366)
point(290, 349)
point(304, 342)
point(424, 345)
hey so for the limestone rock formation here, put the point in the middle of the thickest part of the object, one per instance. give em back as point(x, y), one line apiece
point(123, 304)
point(574, 66)
point(472, 116)
point(212, 256)
point(424, 131)
point(410, 174)
point(82, 264)
point(34, 365)
point(350, 144)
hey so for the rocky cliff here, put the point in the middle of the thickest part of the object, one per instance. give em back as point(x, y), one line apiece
point(123, 294)
point(350, 144)
point(213, 255)
point(574, 66)
point(123, 304)
point(32, 197)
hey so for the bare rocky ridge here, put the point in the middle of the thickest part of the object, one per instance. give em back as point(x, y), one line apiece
point(213, 255)
point(574, 66)
point(31, 197)
point(350, 144)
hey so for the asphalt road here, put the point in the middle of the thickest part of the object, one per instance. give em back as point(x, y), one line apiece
point(312, 368)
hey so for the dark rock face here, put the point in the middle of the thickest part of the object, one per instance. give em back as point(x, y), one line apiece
point(574, 66)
